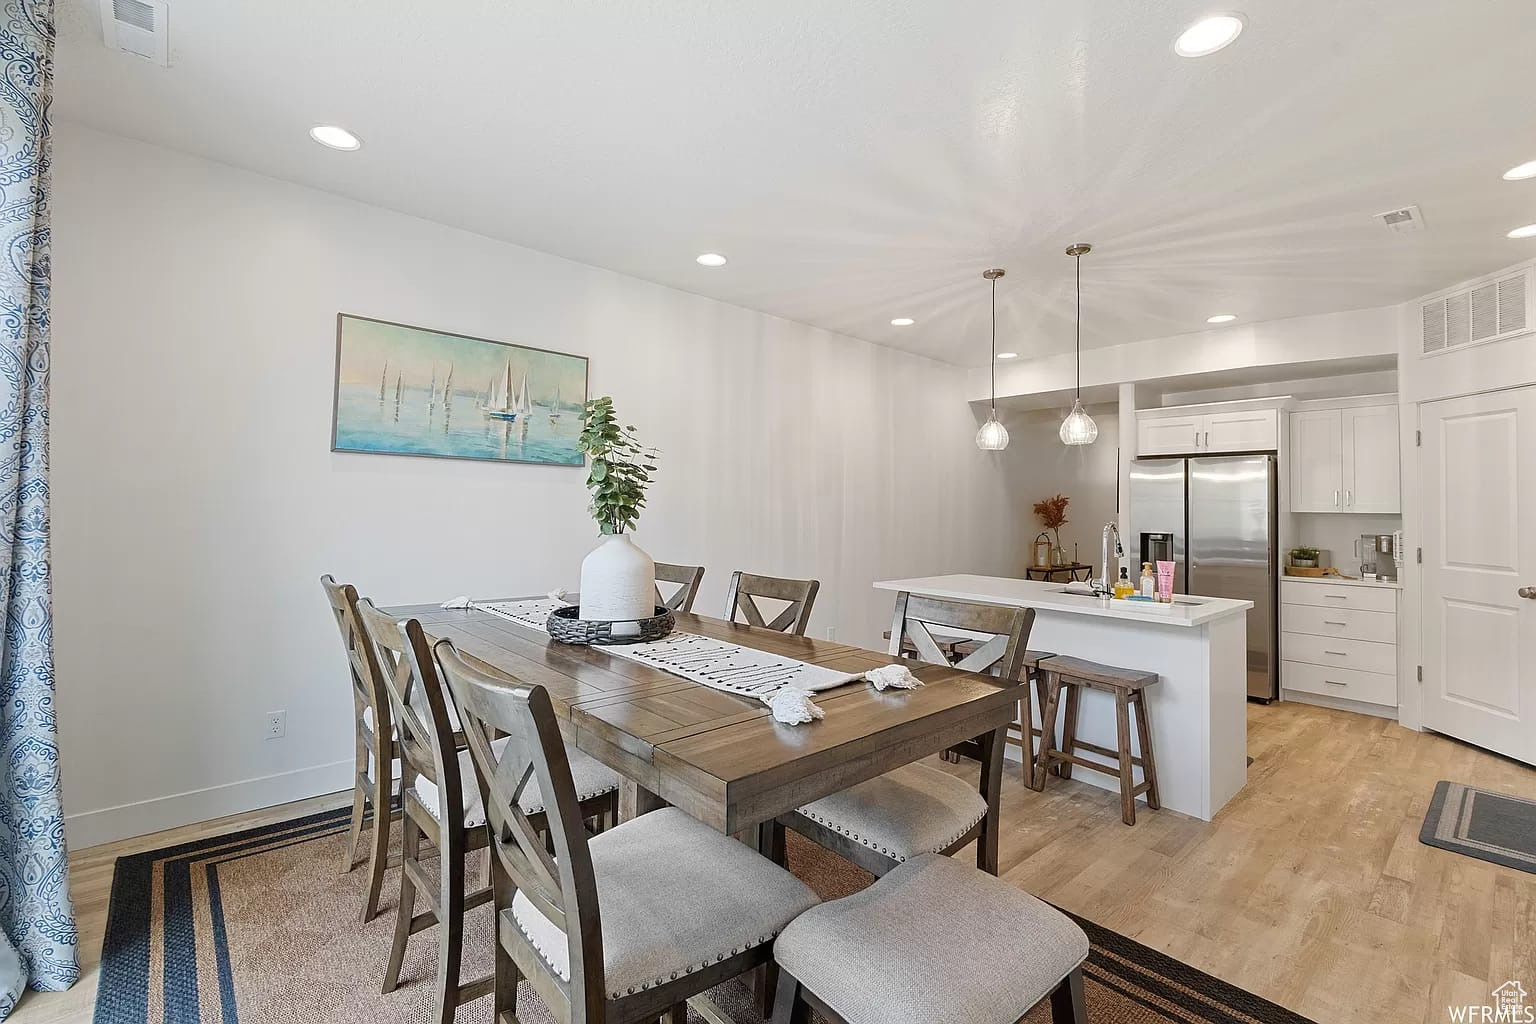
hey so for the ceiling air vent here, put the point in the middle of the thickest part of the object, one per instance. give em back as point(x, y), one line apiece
point(1490, 311)
point(1406, 219)
point(138, 27)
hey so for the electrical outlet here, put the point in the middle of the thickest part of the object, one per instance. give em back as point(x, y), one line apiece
point(831, 632)
point(277, 724)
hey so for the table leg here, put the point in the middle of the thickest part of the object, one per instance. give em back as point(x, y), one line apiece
point(635, 800)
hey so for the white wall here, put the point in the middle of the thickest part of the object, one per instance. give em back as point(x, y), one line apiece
point(196, 501)
point(1037, 465)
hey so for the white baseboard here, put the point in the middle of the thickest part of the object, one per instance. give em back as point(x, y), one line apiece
point(92, 828)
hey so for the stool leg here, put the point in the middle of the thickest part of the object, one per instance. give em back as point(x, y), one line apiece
point(1026, 731)
point(1127, 779)
point(1148, 762)
point(1069, 729)
point(1047, 729)
point(1067, 1004)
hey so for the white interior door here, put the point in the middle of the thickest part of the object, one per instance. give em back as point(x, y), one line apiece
point(1478, 472)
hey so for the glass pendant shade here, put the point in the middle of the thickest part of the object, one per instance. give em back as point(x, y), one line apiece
point(993, 436)
point(1078, 427)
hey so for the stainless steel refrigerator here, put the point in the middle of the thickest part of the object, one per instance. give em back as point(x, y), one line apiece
point(1214, 518)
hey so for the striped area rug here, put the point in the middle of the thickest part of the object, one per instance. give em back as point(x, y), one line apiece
point(261, 927)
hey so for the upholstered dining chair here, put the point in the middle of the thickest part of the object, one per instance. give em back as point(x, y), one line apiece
point(687, 577)
point(747, 588)
point(918, 808)
point(442, 804)
point(374, 747)
point(941, 941)
point(682, 907)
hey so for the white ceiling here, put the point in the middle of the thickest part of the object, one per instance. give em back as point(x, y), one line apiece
point(866, 159)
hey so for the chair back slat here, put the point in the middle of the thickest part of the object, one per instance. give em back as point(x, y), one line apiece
point(746, 588)
point(367, 685)
point(560, 884)
point(687, 577)
point(418, 705)
point(1001, 654)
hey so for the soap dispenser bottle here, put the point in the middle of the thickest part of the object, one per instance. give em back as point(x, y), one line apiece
point(1148, 582)
point(1123, 587)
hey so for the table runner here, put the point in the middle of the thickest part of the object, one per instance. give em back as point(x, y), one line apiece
point(718, 664)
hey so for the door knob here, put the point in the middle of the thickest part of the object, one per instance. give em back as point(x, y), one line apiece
point(1529, 593)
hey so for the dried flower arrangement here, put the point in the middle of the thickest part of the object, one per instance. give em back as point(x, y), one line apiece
point(1053, 515)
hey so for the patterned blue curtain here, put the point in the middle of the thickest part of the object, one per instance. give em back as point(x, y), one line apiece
point(35, 913)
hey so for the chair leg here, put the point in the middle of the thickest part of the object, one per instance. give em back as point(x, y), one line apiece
point(378, 851)
point(676, 1014)
point(410, 848)
point(1148, 762)
point(355, 830)
point(1067, 1004)
point(1047, 729)
point(504, 1010)
point(788, 1006)
point(1127, 776)
point(450, 922)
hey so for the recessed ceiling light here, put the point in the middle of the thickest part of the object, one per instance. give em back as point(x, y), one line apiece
point(711, 259)
point(335, 137)
point(903, 321)
point(1208, 35)
point(1221, 318)
point(1007, 355)
point(1526, 170)
point(1529, 231)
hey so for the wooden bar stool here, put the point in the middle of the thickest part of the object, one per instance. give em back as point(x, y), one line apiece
point(1128, 687)
point(1026, 731)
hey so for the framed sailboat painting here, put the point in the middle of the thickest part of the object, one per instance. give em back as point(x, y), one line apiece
point(404, 390)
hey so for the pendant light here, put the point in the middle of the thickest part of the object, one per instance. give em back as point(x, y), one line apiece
point(993, 436)
point(1078, 427)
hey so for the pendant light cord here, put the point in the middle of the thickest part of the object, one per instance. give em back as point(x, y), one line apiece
point(994, 348)
point(1077, 393)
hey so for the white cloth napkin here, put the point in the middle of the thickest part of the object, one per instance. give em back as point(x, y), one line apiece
point(893, 677)
point(457, 602)
point(793, 706)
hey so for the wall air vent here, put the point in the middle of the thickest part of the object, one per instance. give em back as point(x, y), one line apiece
point(139, 27)
point(1491, 310)
point(1406, 219)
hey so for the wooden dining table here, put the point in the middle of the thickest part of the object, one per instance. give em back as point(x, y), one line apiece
point(718, 756)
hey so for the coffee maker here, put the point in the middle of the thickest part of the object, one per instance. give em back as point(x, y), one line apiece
point(1380, 555)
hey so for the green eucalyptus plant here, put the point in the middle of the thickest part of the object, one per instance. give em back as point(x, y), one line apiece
point(620, 469)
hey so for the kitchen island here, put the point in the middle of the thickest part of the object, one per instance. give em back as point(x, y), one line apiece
point(1198, 648)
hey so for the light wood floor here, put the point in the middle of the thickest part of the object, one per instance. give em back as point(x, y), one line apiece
point(1310, 889)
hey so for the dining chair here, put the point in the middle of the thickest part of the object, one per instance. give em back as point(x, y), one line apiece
point(688, 577)
point(683, 907)
point(441, 803)
point(374, 748)
point(746, 588)
point(917, 809)
point(934, 941)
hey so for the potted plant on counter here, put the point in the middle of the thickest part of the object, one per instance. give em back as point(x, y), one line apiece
point(618, 580)
point(1303, 557)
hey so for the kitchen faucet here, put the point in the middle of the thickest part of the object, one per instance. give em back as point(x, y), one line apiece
point(1104, 585)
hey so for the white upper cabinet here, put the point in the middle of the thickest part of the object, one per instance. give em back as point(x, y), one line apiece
point(1370, 443)
point(1317, 461)
point(1345, 460)
point(1245, 430)
point(1168, 435)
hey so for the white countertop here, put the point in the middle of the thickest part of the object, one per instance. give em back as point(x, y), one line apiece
point(1048, 597)
point(1342, 581)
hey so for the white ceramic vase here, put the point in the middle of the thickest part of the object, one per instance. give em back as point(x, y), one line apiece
point(618, 581)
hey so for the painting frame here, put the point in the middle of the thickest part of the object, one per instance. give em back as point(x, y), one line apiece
point(339, 445)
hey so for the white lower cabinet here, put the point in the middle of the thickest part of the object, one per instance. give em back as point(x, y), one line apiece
point(1339, 641)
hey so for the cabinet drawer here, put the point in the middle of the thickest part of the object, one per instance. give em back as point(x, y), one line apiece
point(1370, 687)
point(1377, 627)
point(1335, 652)
point(1335, 595)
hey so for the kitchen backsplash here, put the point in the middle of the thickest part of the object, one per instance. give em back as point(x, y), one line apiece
point(1338, 533)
